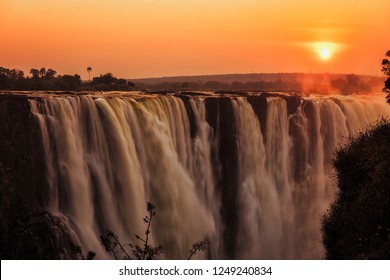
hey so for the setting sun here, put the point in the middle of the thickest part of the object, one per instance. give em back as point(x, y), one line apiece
point(326, 50)
point(325, 54)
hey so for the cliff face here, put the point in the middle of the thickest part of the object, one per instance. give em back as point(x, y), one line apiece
point(19, 151)
point(27, 230)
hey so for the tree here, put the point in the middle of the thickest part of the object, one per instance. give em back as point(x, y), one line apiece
point(50, 73)
point(34, 73)
point(4, 77)
point(69, 82)
point(42, 72)
point(4, 71)
point(121, 82)
point(350, 85)
point(21, 74)
point(386, 71)
point(89, 69)
point(107, 79)
point(357, 225)
point(13, 74)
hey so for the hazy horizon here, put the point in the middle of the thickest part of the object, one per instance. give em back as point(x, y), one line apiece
point(256, 73)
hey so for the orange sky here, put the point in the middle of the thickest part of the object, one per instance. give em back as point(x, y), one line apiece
point(149, 38)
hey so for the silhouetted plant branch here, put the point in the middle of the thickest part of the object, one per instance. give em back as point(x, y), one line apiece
point(111, 242)
point(146, 251)
point(199, 246)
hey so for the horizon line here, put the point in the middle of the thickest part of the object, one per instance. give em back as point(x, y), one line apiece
point(252, 73)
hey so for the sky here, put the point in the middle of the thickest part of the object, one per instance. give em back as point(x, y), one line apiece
point(154, 38)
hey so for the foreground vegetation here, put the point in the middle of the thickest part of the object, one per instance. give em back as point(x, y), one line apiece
point(357, 226)
point(43, 236)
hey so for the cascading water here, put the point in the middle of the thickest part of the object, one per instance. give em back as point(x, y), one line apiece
point(108, 155)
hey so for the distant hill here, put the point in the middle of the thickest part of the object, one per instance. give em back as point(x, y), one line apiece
point(325, 83)
point(250, 77)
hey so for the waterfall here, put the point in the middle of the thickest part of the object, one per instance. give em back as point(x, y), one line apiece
point(106, 156)
point(261, 218)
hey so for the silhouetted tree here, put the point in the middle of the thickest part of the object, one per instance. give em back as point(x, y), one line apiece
point(106, 79)
point(50, 73)
point(4, 71)
point(42, 72)
point(13, 74)
point(351, 84)
point(386, 71)
point(357, 225)
point(69, 82)
point(121, 82)
point(20, 74)
point(34, 73)
point(10, 79)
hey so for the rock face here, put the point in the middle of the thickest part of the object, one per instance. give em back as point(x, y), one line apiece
point(358, 223)
point(27, 230)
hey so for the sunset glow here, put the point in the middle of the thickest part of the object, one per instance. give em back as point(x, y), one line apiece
point(164, 38)
point(325, 53)
point(326, 50)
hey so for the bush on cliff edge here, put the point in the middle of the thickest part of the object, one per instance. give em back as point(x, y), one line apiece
point(357, 225)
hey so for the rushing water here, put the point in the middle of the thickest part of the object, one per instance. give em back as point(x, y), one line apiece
point(254, 179)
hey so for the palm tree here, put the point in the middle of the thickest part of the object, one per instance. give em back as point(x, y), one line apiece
point(89, 69)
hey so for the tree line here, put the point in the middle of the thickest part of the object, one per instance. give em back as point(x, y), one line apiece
point(40, 79)
point(349, 84)
point(49, 79)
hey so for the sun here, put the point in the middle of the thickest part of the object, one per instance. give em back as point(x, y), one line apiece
point(325, 50)
point(325, 53)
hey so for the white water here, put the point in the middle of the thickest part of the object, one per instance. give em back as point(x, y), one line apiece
point(107, 156)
